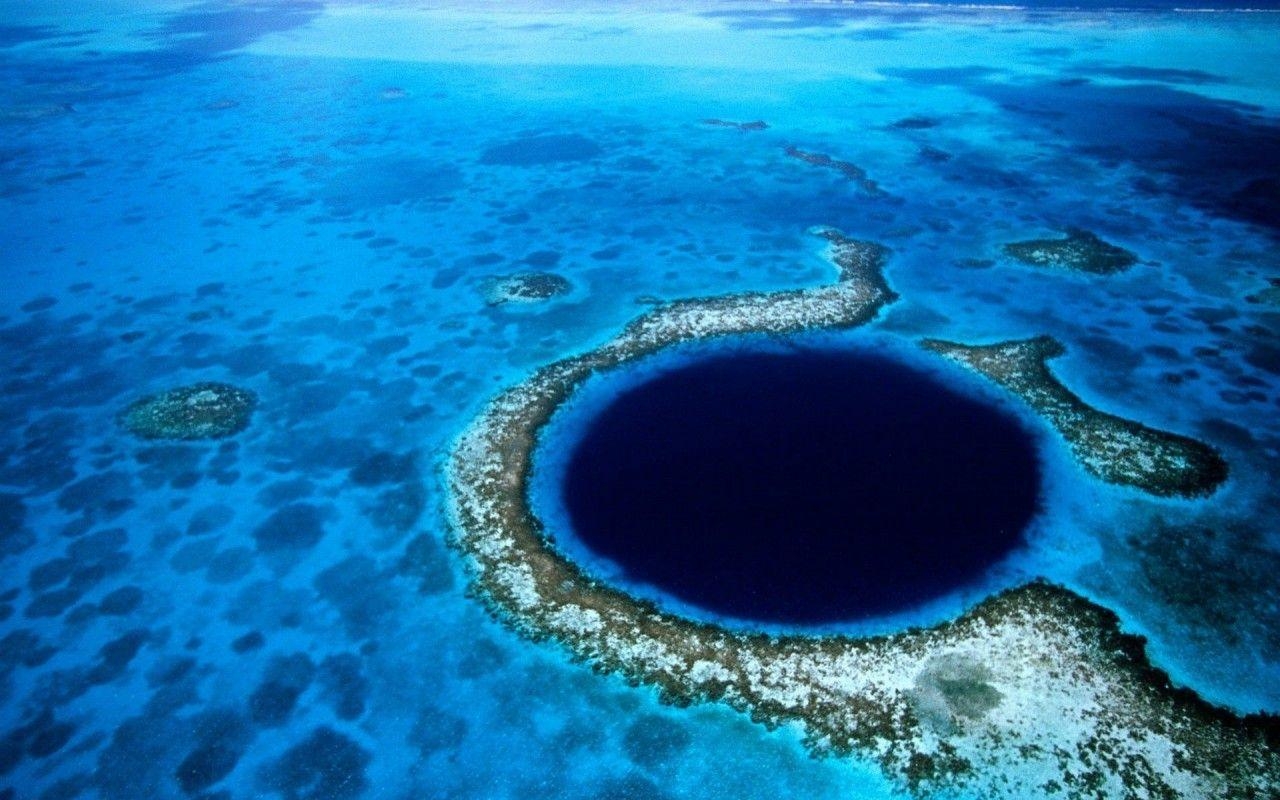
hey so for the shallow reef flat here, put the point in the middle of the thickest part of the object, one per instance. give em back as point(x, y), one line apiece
point(1115, 449)
point(1034, 692)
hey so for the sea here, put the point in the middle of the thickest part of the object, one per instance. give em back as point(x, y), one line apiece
point(322, 201)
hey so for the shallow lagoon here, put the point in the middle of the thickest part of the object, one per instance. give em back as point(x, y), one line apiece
point(313, 201)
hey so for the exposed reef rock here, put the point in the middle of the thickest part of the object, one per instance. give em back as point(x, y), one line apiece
point(526, 287)
point(754, 125)
point(1034, 692)
point(1114, 449)
point(198, 411)
point(1079, 250)
point(849, 170)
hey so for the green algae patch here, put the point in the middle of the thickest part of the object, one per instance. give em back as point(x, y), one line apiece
point(199, 411)
point(1112, 448)
point(1033, 692)
point(1079, 250)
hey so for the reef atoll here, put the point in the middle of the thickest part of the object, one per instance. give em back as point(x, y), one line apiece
point(526, 287)
point(1114, 449)
point(1035, 692)
point(1079, 250)
point(199, 411)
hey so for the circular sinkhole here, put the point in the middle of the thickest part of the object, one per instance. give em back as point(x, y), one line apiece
point(800, 487)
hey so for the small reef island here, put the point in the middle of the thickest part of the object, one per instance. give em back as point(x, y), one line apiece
point(526, 287)
point(205, 410)
point(1079, 250)
point(1034, 692)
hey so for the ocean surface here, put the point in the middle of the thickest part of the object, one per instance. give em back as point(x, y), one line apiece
point(322, 202)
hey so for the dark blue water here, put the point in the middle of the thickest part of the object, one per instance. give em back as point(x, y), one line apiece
point(806, 487)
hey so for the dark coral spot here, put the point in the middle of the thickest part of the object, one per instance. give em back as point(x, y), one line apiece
point(390, 181)
point(386, 345)
point(205, 766)
point(383, 467)
point(115, 656)
point(344, 685)
point(327, 765)
point(14, 537)
point(399, 508)
point(296, 526)
point(99, 546)
point(210, 518)
point(121, 602)
point(543, 258)
point(653, 740)
point(282, 492)
point(249, 641)
point(50, 574)
point(607, 253)
point(222, 737)
point(52, 603)
point(1265, 357)
point(631, 787)
point(424, 561)
point(915, 123)
point(50, 739)
point(229, 566)
point(546, 149)
point(358, 590)
point(23, 648)
point(437, 729)
point(39, 304)
point(287, 677)
point(106, 493)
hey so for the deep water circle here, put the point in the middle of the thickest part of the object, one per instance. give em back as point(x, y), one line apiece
point(801, 487)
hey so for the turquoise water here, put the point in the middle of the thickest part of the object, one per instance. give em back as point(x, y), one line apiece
point(314, 201)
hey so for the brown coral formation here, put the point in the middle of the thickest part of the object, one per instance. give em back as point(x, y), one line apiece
point(1079, 250)
point(852, 171)
point(200, 411)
